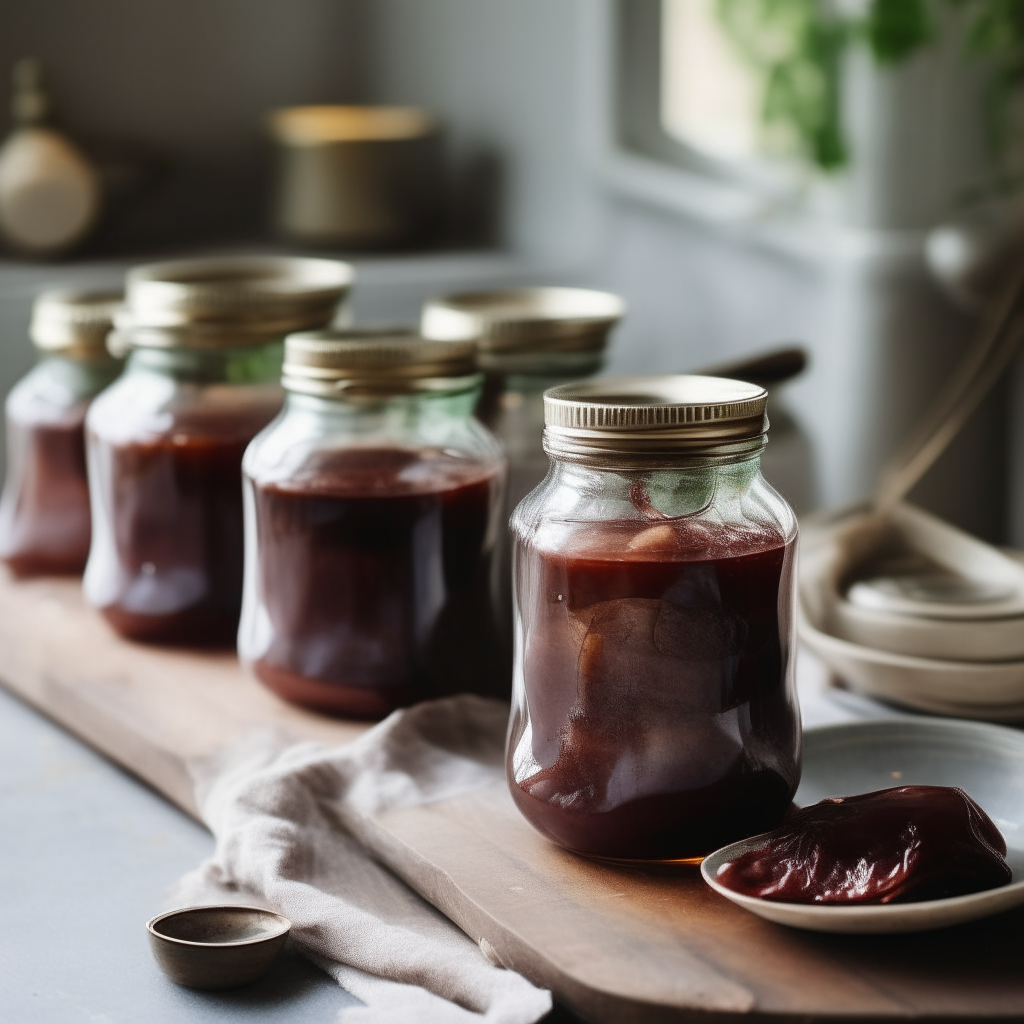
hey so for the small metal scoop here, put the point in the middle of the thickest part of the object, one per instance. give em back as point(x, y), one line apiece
point(217, 947)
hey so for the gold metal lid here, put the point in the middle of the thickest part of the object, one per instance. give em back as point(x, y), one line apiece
point(327, 124)
point(229, 302)
point(519, 321)
point(377, 360)
point(75, 323)
point(617, 422)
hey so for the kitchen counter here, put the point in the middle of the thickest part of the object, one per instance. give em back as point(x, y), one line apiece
point(87, 854)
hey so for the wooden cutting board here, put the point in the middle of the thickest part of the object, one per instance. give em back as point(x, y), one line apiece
point(615, 944)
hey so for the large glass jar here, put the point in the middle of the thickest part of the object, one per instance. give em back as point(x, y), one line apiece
point(44, 510)
point(372, 508)
point(165, 442)
point(654, 715)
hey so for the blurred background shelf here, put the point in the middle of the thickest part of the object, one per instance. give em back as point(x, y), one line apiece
point(551, 178)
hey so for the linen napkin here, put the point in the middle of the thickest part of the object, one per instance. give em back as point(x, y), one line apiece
point(287, 822)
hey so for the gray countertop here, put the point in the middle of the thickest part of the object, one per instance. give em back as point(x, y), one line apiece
point(87, 854)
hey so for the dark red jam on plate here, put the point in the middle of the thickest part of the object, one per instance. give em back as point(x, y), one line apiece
point(898, 845)
point(656, 668)
point(375, 576)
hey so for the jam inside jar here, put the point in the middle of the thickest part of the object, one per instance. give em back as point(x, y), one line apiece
point(654, 714)
point(388, 595)
point(44, 511)
point(165, 449)
point(165, 442)
point(371, 520)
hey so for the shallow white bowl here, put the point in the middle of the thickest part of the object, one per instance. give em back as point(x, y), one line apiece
point(973, 640)
point(990, 691)
point(843, 760)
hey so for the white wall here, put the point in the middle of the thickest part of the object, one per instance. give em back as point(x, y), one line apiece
point(526, 89)
point(528, 81)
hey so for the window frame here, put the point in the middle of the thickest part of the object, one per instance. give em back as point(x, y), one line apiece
point(642, 160)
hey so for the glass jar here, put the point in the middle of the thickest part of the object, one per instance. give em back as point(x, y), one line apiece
point(654, 714)
point(372, 508)
point(44, 509)
point(165, 442)
point(529, 340)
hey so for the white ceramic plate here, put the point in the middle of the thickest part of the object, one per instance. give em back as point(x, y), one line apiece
point(842, 760)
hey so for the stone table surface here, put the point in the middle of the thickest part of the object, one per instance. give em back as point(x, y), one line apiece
point(87, 854)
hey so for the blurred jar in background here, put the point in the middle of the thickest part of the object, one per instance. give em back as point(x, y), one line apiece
point(44, 510)
point(530, 339)
point(654, 713)
point(372, 509)
point(165, 442)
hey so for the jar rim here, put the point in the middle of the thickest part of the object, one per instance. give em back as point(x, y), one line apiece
point(226, 302)
point(74, 322)
point(375, 359)
point(667, 420)
point(520, 320)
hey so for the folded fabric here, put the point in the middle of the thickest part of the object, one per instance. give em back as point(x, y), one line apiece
point(287, 822)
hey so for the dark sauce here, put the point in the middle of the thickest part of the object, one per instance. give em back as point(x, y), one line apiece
point(375, 572)
point(176, 508)
point(898, 845)
point(45, 524)
point(657, 675)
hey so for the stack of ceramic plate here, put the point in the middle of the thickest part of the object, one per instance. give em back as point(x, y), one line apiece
point(910, 609)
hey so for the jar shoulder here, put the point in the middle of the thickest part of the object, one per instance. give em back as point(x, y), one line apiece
point(721, 506)
point(143, 403)
point(299, 438)
point(56, 390)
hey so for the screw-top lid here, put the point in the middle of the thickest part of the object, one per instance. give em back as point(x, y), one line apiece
point(229, 302)
point(525, 321)
point(75, 323)
point(650, 421)
point(381, 360)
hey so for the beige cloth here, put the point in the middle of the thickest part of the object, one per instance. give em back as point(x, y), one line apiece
point(288, 820)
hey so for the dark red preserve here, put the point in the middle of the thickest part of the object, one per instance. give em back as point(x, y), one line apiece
point(172, 506)
point(45, 528)
point(372, 518)
point(44, 511)
point(654, 715)
point(376, 570)
point(898, 845)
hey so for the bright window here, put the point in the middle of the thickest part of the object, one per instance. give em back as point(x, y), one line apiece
point(710, 100)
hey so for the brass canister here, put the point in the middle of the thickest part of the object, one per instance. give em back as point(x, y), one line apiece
point(358, 177)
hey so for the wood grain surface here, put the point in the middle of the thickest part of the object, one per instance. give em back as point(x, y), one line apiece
point(150, 709)
point(614, 943)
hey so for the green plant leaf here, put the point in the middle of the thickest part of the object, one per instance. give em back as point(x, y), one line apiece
point(895, 29)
